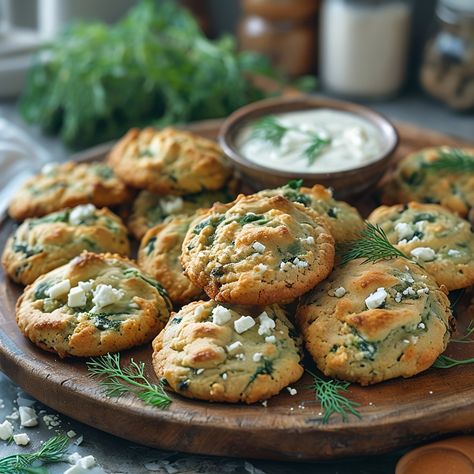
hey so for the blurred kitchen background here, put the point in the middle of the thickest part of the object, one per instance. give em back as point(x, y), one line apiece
point(406, 58)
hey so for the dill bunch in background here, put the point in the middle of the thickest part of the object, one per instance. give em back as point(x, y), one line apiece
point(155, 66)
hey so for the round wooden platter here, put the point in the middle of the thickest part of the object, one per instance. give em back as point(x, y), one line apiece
point(393, 414)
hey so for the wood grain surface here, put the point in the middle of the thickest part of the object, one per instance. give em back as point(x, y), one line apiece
point(394, 414)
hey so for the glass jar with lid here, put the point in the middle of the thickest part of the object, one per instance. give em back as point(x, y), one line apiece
point(364, 45)
point(447, 72)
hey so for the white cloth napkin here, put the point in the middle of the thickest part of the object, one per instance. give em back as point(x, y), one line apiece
point(20, 157)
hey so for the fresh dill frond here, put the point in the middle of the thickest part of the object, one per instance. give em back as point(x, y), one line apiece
point(118, 380)
point(315, 148)
point(52, 450)
point(446, 362)
point(454, 159)
point(466, 337)
point(268, 129)
point(330, 393)
point(372, 245)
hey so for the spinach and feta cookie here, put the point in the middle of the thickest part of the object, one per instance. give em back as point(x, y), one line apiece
point(97, 303)
point(169, 161)
point(150, 209)
point(159, 254)
point(344, 221)
point(228, 353)
point(370, 322)
point(68, 185)
point(258, 250)
point(435, 176)
point(41, 244)
point(438, 240)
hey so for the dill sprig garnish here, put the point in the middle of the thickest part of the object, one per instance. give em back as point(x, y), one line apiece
point(118, 380)
point(453, 159)
point(269, 129)
point(446, 362)
point(372, 245)
point(330, 393)
point(466, 337)
point(52, 450)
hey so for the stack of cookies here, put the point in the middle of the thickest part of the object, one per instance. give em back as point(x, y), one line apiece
point(234, 272)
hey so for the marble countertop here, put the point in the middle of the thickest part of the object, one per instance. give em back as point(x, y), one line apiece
point(115, 455)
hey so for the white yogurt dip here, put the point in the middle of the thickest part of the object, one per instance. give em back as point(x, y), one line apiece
point(345, 141)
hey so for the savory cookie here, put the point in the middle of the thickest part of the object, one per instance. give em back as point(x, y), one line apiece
point(258, 250)
point(150, 209)
point(159, 255)
point(228, 353)
point(344, 220)
point(169, 161)
point(436, 176)
point(68, 185)
point(43, 243)
point(440, 241)
point(370, 322)
point(97, 303)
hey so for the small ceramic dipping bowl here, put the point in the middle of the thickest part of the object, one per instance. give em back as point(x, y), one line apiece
point(345, 183)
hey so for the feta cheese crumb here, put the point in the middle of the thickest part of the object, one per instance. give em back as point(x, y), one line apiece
point(244, 323)
point(59, 289)
point(421, 326)
point(261, 268)
point(300, 263)
point(73, 458)
point(86, 286)
point(105, 295)
point(404, 230)
point(267, 325)
point(76, 297)
point(409, 291)
point(258, 247)
point(407, 277)
point(453, 253)
point(199, 310)
point(71, 434)
point(340, 292)
point(199, 371)
point(224, 376)
point(220, 315)
point(265, 403)
point(270, 339)
point(398, 297)
point(257, 357)
point(308, 240)
point(171, 204)
point(28, 416)
point(6, 430)
point(21, 439)
point(240, 356)
point(422, 291)
point(87, 462)
point(292, 391)
point(285, 266)
point(376, 299)
point(235, 348)
point(81, 213)
point(426, 254)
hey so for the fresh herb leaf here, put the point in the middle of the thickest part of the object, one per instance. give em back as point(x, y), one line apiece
point(372, 245)
point(330, 394)
point(454, 159)
point(213, 221)
point(252, 218)
point(446, 362)
point(52, 450)
point(315, 148)
point(150, 246)
point(466, 337)
point(294, 184)
point(265, 369)
point(26, 250)
point(41, 290)
point(268, 129)
point(117, 380)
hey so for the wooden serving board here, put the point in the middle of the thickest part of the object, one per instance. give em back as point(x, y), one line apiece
point(394, 414)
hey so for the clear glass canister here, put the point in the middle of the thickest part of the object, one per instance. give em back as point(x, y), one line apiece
point(447, 72)
point(364, 45)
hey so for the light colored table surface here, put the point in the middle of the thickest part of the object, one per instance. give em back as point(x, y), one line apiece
point(115, 455)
